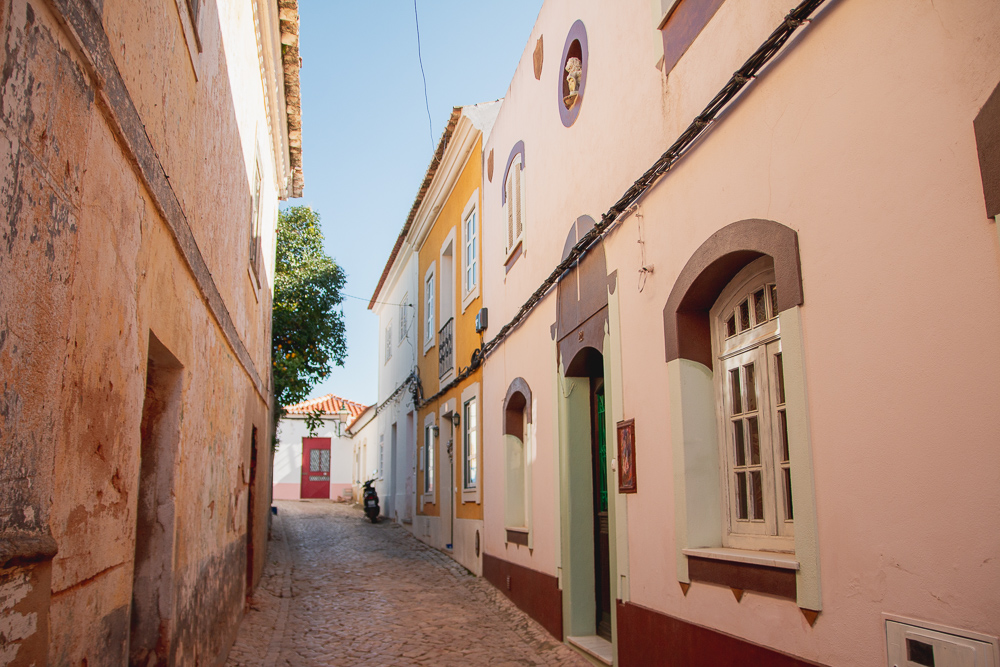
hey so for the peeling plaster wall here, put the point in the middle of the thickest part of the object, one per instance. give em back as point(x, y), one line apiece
point(93, 257)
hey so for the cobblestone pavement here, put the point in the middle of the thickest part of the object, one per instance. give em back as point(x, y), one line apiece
point(338, 590)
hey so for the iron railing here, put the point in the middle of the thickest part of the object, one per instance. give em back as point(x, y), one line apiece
point(446, 347)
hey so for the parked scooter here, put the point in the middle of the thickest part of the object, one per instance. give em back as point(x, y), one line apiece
point(371, 501)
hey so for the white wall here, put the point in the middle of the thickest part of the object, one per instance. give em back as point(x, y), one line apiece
point(288, 458)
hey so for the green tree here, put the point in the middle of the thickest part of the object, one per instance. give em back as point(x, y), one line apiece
point(307, 334)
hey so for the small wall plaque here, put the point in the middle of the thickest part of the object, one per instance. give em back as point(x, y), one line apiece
point(626, 456)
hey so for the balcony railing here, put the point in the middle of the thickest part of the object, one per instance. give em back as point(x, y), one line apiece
point(446, 348)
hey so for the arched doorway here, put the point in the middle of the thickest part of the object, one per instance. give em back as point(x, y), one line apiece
point(588, 368)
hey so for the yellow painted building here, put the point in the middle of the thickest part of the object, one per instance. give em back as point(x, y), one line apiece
point(447, 237)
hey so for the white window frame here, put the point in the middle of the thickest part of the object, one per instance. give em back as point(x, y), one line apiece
point(513, 239)
point(430, 305)
point(428, 452)
point(754, 348)
point(388, 342)
point(471, 210)
point(471, 494)
point(403, 319)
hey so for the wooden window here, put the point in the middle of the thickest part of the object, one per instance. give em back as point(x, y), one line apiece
point(388, 342)
point(429, 329)
point(470, 473)
point(255, 220)
point(753, 433)
point(514, 205)
point(427, 462)
point(404, 320)
point(470, 256)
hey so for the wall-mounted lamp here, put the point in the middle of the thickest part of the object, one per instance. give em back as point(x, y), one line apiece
point(436, 431)
point(454, 419)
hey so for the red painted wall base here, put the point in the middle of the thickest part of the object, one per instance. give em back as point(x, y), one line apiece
point(533, 592)
point(647, 637)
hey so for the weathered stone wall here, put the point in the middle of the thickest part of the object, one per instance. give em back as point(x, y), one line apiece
point(125, 168)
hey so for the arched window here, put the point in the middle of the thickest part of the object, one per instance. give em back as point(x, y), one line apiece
point(513, 201)
point(750, 399)
point(517, 486)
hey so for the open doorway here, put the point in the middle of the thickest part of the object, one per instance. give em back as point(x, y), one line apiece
point(251, 501)
point(150, 628)
point(588, 368)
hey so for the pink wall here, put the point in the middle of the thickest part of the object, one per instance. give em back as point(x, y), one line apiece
point(860, 138)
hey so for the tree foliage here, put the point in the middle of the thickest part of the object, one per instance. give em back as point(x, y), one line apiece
point(307, 334)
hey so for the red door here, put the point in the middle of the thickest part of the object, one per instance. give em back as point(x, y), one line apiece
point(315, 468)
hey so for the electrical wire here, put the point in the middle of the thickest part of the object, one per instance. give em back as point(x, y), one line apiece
point(420, 59)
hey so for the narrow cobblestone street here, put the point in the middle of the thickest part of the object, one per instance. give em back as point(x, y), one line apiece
point(338, 590)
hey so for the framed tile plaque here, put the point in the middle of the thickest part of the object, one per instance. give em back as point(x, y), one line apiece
point(626, 456)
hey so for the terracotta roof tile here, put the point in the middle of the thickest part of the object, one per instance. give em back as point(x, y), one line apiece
point(328, 404)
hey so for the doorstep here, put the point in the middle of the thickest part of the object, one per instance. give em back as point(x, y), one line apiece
point(594, 646)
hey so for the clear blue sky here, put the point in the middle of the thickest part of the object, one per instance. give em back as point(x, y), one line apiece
point(366, 142)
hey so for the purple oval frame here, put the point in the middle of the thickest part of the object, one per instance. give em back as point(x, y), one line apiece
point(577, 31)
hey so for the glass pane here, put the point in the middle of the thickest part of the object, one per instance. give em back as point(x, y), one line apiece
point(324, 460)
point(731, 326)
point(759, 307)
point(734, 384)
point(741, 496)
point(314, 460)
point(783, 426)
point(754, 437)
point(744, 311)
point(748, 375)
point(758, 496)
point(774, 301)
point(788, 493)
point(780, 374)
point(740, 447)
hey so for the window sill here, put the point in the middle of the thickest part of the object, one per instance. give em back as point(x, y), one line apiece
point(427, 499)
point(517, 536)
point(512, 256)
point(469, 297)
point(762, 558)
point(470, 495)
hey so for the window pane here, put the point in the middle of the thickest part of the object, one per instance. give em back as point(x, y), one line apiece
point(788, 493)
point(754, 436)
point(774, 300)
point(780, 374)
point(740, 447)
point(744, 311)
point(748, 376)
point(758, 496)
point(741, 496)
point(731, 326)
point(734, 384)
point(759, 307)
point(783, 434)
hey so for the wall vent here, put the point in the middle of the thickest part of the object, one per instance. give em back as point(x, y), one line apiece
point(911, 643)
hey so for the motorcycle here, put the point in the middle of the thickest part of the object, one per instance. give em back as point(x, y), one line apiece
point(370, 499)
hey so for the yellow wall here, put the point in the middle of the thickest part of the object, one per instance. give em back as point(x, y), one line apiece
point(466, 338)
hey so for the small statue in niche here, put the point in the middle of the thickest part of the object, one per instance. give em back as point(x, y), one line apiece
point(574, 68)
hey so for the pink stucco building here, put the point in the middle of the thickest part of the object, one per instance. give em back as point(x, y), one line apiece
point(754, 414)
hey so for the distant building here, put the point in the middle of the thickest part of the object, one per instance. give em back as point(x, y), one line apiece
point(145, 147)
point(316, 464)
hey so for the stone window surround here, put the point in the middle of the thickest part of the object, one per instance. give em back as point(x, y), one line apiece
point(694, 431)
